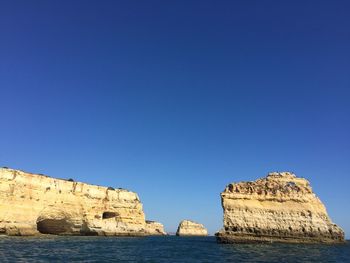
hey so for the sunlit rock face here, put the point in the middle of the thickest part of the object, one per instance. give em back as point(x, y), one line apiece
point(191, 228)
point(280, 207)
point(154, 228)
point(33, 204)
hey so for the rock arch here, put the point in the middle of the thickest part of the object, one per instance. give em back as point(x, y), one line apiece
point(53, 226)
point(58, 222)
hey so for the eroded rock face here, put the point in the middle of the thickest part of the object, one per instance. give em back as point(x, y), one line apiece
point(32, 204)
point(190, 228)
point(154, 228)
point(280, 207)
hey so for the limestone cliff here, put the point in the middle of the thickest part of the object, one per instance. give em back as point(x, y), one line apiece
point(280, 207)
point(190, 228)
point(32, 204)
point(154, 228)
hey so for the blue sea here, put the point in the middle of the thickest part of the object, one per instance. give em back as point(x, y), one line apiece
point(160, 249)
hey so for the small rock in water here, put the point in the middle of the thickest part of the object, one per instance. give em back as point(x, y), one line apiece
point(191, 228)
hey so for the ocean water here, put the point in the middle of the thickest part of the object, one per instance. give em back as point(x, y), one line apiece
point(161, 249)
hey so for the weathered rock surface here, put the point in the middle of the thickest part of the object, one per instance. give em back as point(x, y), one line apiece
point(280, 207)
point(33, 204)
point(154, 228)
point(190, 228)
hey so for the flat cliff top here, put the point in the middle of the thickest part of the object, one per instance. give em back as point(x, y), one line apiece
point(189, 223)
point(12, 174)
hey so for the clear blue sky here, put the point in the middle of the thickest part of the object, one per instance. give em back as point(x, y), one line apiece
point(176, 99)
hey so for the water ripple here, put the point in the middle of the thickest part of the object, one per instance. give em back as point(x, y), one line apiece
point(161, 249)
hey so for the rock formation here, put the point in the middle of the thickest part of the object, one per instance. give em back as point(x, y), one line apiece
point(280, 207)
point(32, 204)
point(190, 228)
point(154, 228)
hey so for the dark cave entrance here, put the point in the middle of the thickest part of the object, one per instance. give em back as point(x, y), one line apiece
point(53, 226)
point(107, 215)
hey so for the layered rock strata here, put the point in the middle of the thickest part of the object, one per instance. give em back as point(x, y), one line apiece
point(280, 207)
point(33, 204)
point(190, 228)
point(154, 228)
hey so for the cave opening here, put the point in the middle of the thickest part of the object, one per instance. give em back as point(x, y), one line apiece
point(53, 226)
point(107, 215)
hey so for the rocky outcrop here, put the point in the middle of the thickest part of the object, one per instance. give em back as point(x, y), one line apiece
point(33, 204)
point(190, 228)
point(154, 228)
point(280, 207)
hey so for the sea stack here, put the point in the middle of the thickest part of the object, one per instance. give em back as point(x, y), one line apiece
point(278, 208)
point(32, 204)
point(154, 228)
point(191, 228)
